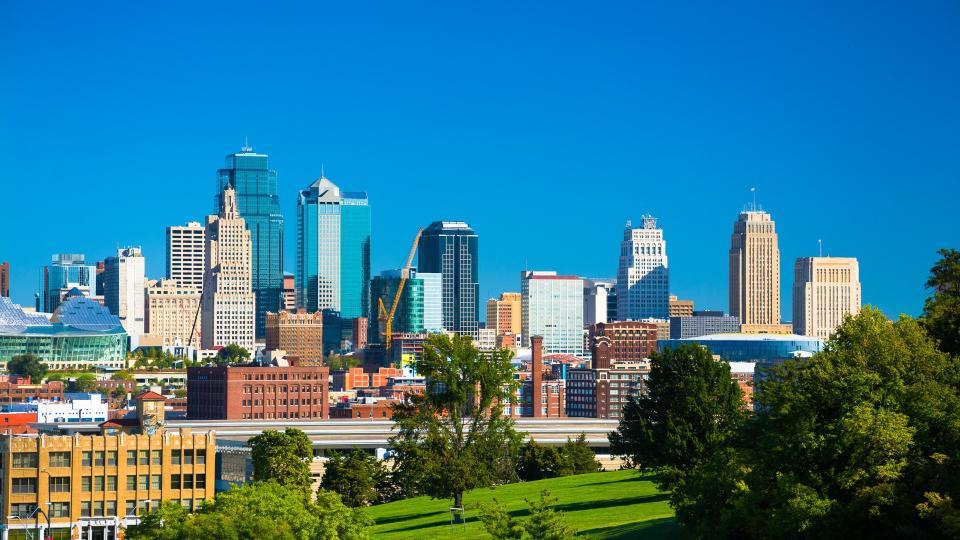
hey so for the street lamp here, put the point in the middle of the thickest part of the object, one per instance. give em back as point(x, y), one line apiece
point(35, 514)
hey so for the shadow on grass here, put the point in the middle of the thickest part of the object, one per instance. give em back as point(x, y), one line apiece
point(649, 477)
point(404, 517)
point(653, 529)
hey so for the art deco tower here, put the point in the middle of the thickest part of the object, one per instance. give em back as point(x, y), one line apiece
point(643, 277)
point(825, 290)
point(229, 304)
point(755, 270)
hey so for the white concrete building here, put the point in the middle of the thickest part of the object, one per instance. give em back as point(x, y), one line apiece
point(825, 290)
point(185, 255)
point(123, 290)
point(643, 278)
point(552, 306)
point(596, 297)
point(81, 408)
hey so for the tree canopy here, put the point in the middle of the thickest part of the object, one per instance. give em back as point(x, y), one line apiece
point(544, 522)
point(941, 312)
point(284, 457)
point(232, 354)
point(455, 437)
point(360, 478)
point(28, 365)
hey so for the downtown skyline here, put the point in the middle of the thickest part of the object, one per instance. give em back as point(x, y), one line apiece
point(566, 142)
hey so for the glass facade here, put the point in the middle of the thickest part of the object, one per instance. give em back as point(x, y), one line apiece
point(552, 307)
point(764, 349)
point(67, 271)
point(450, 248)
point(259, 205)
point(409, 315)
point(432, 301)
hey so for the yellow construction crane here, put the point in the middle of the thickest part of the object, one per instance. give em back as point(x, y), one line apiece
point(382, 314)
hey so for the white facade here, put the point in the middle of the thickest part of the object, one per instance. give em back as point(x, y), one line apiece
point(552, 306)
point(825, 290)
point(185, 259)
point(432, 301)
point(83, 408)
point(123, 290)
point(596, 294)
point(228, 301)
point(643, 278)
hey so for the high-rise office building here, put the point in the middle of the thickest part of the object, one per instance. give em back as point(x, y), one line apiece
point(432, 301)
point(503, 314)
point(228, 302)
point(185, 260)
point(598, 296)
point(825, 290)
point(123, 290)
point(5, 279)
point(408, 317)
point(755, 269)
point(172, 313)
point(333, 250)
point(643, 278)
point(450, 248)
point(248, 173)
point(702, 323)
point(552, 307)
point(66, 271)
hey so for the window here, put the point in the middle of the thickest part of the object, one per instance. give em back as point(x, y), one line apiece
point(143, 506)
point(144, 457)
point(143, 482)
point(97, 508)
point(59, 484)
point(201, 482)
point(59, 459)
point(175, 457)
point(131, 457)
point(111, 458)
point(98, 483)
point(131, 482)
point(84, 508)
point(111, 508)
point(98, 459)
point(188, 457)
point(60, 509)
point(112, 483)
point(155, 457)
point(86, 459)
point(175, 481)
point(131, 507)
point(155, 481)
point(201, 457)
point(22, 509)
point(187, 481)
point(24, 485)
point(24, 460)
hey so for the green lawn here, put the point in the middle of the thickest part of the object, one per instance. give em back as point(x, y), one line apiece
point(616, 504)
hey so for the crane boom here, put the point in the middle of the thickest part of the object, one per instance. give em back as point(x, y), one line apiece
point(385, 315)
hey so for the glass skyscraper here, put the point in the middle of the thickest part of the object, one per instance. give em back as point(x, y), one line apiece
point(256, 188)
point(450, 248)
point(333, 250)
point(409, 314)
point(65, 272)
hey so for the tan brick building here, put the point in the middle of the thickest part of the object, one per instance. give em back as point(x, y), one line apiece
point(91, 486)
point(299, 334)
point(755, 269)
point(172, 313)
point(503, 314)
point(680, 308)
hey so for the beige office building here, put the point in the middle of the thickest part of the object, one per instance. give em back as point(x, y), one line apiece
point(172, 316)
point(755, 270)
point(185, 259)
point(825, 289)
point(503, 314)
point(299, 334)
point(680, 308)
point(228, 302)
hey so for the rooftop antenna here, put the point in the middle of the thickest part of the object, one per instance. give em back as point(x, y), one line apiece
point(754, 191)
point(246, 144)
point(321, 171)
point(820, 243)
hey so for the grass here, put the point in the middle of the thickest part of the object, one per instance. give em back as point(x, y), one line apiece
point(616, 504)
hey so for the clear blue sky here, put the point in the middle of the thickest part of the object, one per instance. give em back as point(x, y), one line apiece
point(544, 125)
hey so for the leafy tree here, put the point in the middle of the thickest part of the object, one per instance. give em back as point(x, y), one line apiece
point(537, 462)
point(941, 312)
point(122, 375)
point(84, 382)
point(454, 437)
point(582, 459)
point(690, 409)
point(336, 361)
point(258, 510)
point(180, 392)
point(284, 457)
point(28, 365)
point(232, 354)
point(359, 478)
point(544, 522)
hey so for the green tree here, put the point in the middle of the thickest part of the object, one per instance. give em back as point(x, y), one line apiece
point(232, 354)
point(28, 365)
point(122, 375)
point(359, 478)
point(84, 382)
point(336, 361)
point(544, 522)
point(691, 408)
point(582, 459)
point(282, 456)
point(941, 312)
point(455, 437)
point(537, 462)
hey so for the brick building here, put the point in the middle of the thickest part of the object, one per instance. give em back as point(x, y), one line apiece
point(626, 341)
point(299, 334)
point(363, 409)
point(348, 379)
point(252, 392)
point(18, 389)
point(603, 392)
point(538, 395)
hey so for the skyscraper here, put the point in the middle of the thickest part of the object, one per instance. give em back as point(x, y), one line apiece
point(256, 191)
point(228, 302)
point(123, 290)
point(598, 295)
point(409, 315)
point(552, 307)
point(65, 272)
point(450, 248)
point(503, 314)
point(333, 250)
point(643, 280)
point(432, 301)
point(172, 313)
point(755, 270)
point(825, 290)
point(185, 261)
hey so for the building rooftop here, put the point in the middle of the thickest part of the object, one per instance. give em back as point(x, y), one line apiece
point(750, 337)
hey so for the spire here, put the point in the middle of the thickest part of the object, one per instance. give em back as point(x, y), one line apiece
point(228, 206)
point(246, 145)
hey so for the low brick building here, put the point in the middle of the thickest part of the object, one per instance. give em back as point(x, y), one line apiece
point(624, 341)
point(18, 389)
point(252, 392)
point(538, 395)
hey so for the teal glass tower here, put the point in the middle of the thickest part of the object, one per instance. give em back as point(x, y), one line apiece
point(409, 314)
point(256, 188)
point(333, 250)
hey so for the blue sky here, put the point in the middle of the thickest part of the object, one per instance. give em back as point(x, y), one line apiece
point(544, 125)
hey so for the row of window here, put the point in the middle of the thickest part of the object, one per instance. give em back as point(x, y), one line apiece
point(100, 458)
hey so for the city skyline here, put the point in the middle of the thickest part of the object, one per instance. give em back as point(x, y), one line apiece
point(838, 141)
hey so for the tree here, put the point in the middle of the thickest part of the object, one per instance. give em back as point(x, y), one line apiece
point(258, 510)
point(232, 354)
point(28, 365)
point(941, 312)
point(336, 361)
point(544, 523)
point(284, 457)
point(537, 462)
point(454, 437)
point(582, 459)
point(359, 478)
point(122, 375)
point(690, 409)
point(84, 382)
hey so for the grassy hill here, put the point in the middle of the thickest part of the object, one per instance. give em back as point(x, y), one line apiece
point(616, 504)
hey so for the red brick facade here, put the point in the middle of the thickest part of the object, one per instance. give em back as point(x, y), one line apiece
point(625, 341)
point(257, 393)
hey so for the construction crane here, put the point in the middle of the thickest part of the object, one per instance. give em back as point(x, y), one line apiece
point(382, 313)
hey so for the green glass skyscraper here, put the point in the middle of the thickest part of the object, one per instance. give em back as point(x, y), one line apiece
point(409, 314)
point(256, 188)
